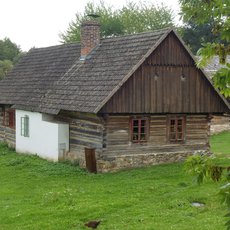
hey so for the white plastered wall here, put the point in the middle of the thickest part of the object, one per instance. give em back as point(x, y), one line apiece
point(47, 139)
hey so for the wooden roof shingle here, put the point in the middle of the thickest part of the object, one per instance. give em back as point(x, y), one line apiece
point(87, 84)
point(54, 78)
point(26, 85)
point(214, 65)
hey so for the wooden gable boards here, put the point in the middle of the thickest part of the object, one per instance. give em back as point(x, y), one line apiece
point(166, 80)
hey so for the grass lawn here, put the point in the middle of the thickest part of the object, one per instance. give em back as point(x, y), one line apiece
point(220, 143)
point(37, 194)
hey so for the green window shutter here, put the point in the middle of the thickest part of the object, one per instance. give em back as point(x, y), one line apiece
point(22, 126)
point(26, 126)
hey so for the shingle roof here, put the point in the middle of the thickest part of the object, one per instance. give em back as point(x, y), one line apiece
point(26, 85)
point(54, 78)
point(214, 65)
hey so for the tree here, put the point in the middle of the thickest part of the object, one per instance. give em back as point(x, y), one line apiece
point(5, 66)
point(132, 18)
point(194, 35)
point(215, 13)
point(142, 17)
point(9, 55)
point(205, 167)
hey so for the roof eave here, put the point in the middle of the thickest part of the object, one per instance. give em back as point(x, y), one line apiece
point(38, 110)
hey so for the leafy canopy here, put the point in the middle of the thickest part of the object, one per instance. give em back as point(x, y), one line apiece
point(131, 18)
point(216, 14)
point(9, 55)
point(207, 167)
point(194, 35)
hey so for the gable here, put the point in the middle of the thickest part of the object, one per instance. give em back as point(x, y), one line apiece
point(168, 81)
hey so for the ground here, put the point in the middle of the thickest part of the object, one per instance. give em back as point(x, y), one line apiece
point(36, 194)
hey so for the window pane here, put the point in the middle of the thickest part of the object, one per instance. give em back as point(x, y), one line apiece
point(135, 123)
point(179, 121)
point(135, 136)
point(143, 137)
point(142, 129)
point(179, 129)
point(22, 126)
point(143, 123)
point(139, 129)
point(7, 118)
point(135, 129)
point(11, 118)
point(179, 136)
point(26, 126)
point(172, 122)
point(176, 129)
point(172, 129)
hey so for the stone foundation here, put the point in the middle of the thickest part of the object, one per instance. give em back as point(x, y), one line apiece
point(112, 164)
point(76, 157)
point(120, 162)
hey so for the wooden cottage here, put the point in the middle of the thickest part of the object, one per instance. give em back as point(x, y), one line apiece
point(110, 103)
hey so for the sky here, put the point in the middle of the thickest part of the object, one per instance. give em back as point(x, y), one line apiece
point(38, 23)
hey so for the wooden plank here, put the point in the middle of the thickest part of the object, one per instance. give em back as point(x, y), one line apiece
point(90, 159)
point(142, 93)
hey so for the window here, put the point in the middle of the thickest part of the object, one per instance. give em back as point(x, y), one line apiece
point(9, 118)
point(139, 130)
point(25, 126)
point(177, 129)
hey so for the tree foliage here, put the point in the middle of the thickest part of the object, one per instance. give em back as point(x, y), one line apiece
point(5, 66)
point(216, 14)
point(132, 18)
point(9, 55)
point(205, 167)
point(194, 35)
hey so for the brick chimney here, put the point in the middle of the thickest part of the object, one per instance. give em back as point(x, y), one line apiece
point(90, 37)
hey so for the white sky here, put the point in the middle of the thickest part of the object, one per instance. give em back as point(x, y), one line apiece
point(37, 23)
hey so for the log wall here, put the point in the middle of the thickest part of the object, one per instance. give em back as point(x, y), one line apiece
point(86, 131)
point(120, 152)
point(7, 134)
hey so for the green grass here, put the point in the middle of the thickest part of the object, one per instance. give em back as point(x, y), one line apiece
point(37, 194)
point(220, 143)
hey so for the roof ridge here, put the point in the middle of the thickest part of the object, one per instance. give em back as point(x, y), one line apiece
point(106, 38)
point(56, 46)
point(138, 34)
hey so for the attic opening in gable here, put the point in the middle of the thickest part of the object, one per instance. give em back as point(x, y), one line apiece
point(183, 77)
point(156, 76)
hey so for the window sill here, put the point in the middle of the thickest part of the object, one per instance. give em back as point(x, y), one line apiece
point(139, 143)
